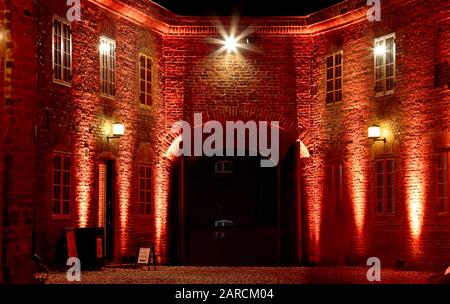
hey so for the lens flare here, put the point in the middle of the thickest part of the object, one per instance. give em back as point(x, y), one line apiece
point(231, 42)
point(380, 50)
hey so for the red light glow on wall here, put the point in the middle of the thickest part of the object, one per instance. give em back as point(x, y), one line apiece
point(84, 178)
point(161, 187)
point(83, 193)
point(358, 195)
point(414, 183)
point(313, 205)
point(356, 174)
point(416, 177)
point(124, 199)
point(316, 215)
point(124, 185)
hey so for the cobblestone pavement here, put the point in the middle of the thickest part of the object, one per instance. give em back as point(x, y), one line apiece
point(241, 275)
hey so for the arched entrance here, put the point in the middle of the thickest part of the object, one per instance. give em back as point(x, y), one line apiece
point(231, 211)
point(235, 212)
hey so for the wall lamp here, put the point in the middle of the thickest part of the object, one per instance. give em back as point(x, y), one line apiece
point(374, 133)
point(231, 44)
point(118, 130)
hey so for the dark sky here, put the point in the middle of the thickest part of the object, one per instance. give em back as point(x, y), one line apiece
point(245, 7)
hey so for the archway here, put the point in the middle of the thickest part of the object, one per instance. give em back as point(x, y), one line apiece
point(248, 216)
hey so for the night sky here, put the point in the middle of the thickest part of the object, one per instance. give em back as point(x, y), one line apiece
point(245, 7)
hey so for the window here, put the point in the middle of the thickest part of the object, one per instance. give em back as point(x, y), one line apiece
point(442, 182)
point(334, 77)
point(385, 65)
point(386, 186)
point(223, 167)
point(145, 80)
point(107, 66)
point(144, 189)
point(61, 185)
point(334, 179)
point(62, 51)
point(442, 57)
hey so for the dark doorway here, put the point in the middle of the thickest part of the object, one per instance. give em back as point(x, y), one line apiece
point(231, 212)
point(290, 219)
point(109, 208)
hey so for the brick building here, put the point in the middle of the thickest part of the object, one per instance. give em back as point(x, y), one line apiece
point(337, 197)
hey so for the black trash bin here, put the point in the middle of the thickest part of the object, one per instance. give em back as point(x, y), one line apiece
point(87, 239)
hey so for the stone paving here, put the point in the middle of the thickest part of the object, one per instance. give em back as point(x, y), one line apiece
point(242, 275)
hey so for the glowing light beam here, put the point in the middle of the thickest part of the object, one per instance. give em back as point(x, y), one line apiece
point(231, 42)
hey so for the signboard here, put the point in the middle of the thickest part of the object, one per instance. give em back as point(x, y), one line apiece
point(146, 255)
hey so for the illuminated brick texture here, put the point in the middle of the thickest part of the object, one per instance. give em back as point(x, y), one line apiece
point(2, 135)
point(77, 119)
point(18, 116)
point(282, 77)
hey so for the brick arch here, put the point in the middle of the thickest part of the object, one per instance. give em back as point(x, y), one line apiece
point(290, 132)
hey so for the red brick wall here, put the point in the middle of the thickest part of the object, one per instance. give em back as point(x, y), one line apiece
point(19, 150)
point(74, 118)
point(412, 122)
point(283, 80)
point(259, 85)
point(2, 135)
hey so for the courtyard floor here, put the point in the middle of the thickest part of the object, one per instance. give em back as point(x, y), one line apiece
point(242, 275)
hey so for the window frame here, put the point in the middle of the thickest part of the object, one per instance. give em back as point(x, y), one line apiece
point(384, 65)
point(442, 58)
point(385, 199)
point(146, 190)
point(334, 78)
point(146, 93)
point(63, 22)
point(446, 183)
point(220, 167)
point(109, 67)
point(61, 185)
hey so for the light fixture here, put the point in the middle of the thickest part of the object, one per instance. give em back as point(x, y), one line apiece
point(118, 130)
point(380, 50)
point(374, 132)
point(233, 38)
point(86, 150)
point(231, 44)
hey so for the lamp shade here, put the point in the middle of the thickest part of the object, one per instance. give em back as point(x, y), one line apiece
point(374, 132)
point(118, 129)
